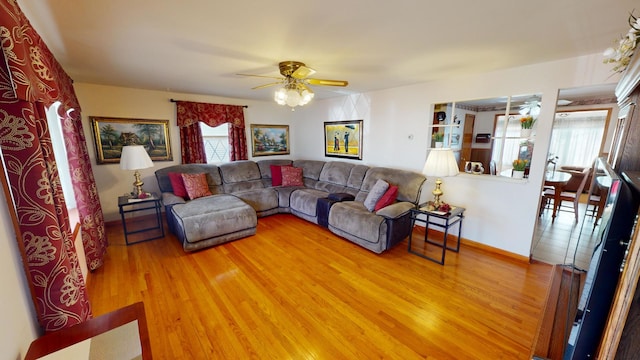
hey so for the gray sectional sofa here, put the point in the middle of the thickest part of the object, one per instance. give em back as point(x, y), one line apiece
point(242, 192)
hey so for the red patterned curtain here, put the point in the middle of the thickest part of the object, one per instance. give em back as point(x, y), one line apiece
point(30, 79)
point(54, 271)
point(192, 144)
point(94, 238)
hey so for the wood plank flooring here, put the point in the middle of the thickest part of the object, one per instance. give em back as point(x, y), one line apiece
point(296, 291)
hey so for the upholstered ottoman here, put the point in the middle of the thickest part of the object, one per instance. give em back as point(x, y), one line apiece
point(213, 220)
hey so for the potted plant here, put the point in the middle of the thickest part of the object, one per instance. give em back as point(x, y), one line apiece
point(519, 165)
point(438, 137)
point(526, 125)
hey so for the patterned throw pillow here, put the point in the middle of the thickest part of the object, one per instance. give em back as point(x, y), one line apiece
point(276, 174)
point(196, 185)
point(291, 176)
point(388, 198)
point(177, 184)
point(375, 194)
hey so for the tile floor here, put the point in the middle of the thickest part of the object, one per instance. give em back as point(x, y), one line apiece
point(564, 241)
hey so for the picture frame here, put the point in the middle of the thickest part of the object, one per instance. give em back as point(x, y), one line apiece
point(110, 134)
point(343, 139)
point(269, 140)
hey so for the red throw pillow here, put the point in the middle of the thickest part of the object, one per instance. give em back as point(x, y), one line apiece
point(196, 185)
point(177, 184)
point(291, 176)
point(388, 198)
point(276, 174)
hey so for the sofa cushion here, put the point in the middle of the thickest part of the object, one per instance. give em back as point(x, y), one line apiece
point(357, 177)
point(261, 200)
point(178, 184)
point(240, 176)
point(409, 183)
point(216, 216)
point(196, 185)
point(305, 201)
point(388, 198)
point(291, 176)
point(352, 218)
point(375, 194)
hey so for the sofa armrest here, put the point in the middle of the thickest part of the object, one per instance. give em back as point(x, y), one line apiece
point(169, 199)
point(395, 210)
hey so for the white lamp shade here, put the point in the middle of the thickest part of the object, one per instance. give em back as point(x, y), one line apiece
point(440, 163)
point(134, 157)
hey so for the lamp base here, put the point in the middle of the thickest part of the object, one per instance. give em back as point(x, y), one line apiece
point(437, 193)
point(137, 184)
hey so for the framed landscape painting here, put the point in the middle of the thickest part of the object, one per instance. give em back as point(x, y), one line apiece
point(111, 134)
point(343, 139)
point(269, 140)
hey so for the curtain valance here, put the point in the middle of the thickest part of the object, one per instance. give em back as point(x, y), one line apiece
point(35, 74)
point(189, 114)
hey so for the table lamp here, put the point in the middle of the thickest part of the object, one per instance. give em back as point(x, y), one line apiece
point(135, 157)
point(440, 163)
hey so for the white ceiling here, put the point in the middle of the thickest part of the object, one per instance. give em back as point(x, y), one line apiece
point(198, 46)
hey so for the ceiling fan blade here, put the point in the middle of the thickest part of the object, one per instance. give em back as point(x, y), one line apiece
point(266, 85)
point(302, 72)
point(327, 82)
point(262, 76)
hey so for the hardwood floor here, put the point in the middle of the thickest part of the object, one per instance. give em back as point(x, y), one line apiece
point(565, 241)
point(296, 291)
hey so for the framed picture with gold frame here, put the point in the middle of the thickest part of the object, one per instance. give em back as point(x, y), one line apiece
point(343, 139)
point(111, 134)
point(269, 140)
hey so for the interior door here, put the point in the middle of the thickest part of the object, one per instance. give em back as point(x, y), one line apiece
point(467, 140)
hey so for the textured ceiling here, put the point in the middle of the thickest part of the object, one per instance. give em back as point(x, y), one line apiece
point(198, 46)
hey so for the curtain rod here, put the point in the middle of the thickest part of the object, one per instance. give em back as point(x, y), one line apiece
point(173, 100)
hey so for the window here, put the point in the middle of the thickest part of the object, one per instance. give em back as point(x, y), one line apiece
point(60, 153)
point(216, 143)
point(488, 131)
point(508, 142)
point(577, 137)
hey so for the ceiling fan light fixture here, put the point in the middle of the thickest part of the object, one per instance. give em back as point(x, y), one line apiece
point(280, 96)
point(294, 93)
point(306, 97)
point(293, 98)
point(295, 90)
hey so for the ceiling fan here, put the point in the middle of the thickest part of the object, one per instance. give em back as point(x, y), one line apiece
point(295, 90)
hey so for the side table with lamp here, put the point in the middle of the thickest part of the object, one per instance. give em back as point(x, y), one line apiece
point(135, 157)
point(440, 163)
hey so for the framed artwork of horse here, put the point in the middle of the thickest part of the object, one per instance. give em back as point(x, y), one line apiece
point(111, 134)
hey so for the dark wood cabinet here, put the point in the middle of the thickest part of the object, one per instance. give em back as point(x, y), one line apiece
point(624, 154)
point(620, 340)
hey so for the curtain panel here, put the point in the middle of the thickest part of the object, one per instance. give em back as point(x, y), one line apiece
point(53, 269)
point(30, 80)
point(190, 114)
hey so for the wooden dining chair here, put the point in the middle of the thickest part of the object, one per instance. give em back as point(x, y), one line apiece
point(568, 196)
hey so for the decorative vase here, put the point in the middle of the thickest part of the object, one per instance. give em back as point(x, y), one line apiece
point(438, 144)
point(525, 133)
point(517, 174)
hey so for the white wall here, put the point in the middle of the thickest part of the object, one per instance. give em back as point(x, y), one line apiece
point(501, 212)
point(16, 311)
point(109, 101)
